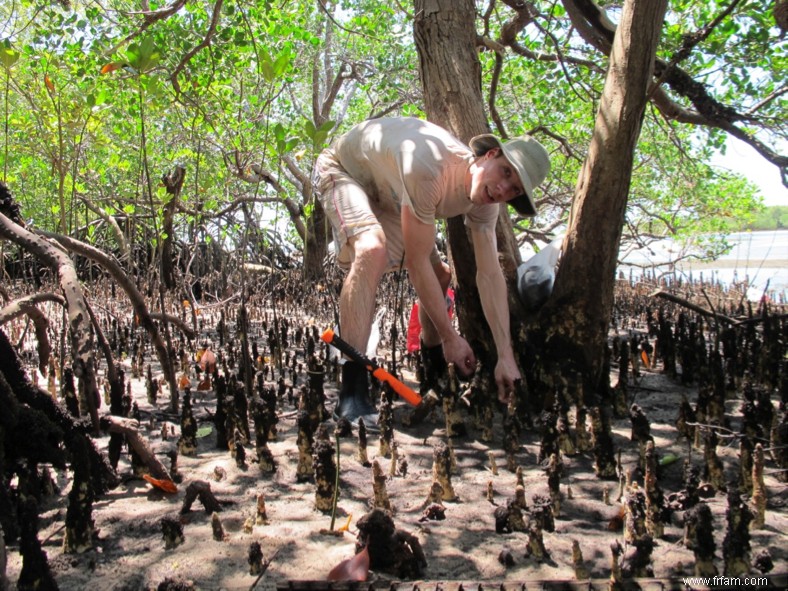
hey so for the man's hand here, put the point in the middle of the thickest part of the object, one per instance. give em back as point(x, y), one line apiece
point(506, 373)
point(456, 350)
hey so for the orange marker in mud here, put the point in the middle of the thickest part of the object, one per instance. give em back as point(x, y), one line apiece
point(164, 484)
point(401, 389)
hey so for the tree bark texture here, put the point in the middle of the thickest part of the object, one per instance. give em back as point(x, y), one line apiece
point(28, 305)
point(21, 391)
point(173, 182)
point(130, 429)
point(4, 586)
point(79, 515)
point(315, 241)
point(578, 314)
point(167, 250)
point(35, 573)
point(84, 360)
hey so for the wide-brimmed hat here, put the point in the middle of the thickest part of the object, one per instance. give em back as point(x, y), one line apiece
point(528, 157)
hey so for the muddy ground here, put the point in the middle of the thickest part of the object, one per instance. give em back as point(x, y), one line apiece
point(130, 553)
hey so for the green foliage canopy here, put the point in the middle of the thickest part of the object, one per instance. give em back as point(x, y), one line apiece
point(100, 101)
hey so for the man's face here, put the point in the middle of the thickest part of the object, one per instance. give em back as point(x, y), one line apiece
point(494, 180)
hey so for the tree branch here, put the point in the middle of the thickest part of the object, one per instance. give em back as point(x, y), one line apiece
point(27, 305)
point(84, 362)
point(692, 39)
point(136, 299)
point(113, 224)
point(177, 322)
point(130, 428)
point(596, 28)
point(261, 174)
point(202, 45)
point(149, 19)
point(690, 306)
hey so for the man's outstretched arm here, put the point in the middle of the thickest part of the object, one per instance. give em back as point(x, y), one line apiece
point(493, 294)
point(419, 241)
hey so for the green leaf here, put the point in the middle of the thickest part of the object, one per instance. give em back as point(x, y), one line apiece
point(279, 131)
point(319, 139)
point(144, 56)
point(327, 126)
point(267, 66)
point(320, 135)
point(103, 96)
point(8, 55)
point(668, 459)
point(282, 61)
point(153, 87)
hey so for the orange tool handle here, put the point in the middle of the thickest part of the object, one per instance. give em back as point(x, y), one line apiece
point(407, 394)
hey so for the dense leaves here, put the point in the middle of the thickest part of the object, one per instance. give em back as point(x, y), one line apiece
point(101, 100)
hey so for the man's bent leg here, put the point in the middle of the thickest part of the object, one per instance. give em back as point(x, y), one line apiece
point(357, 299)
point(356, 312)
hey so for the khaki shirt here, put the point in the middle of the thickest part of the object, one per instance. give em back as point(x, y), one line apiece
point(407, 161)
